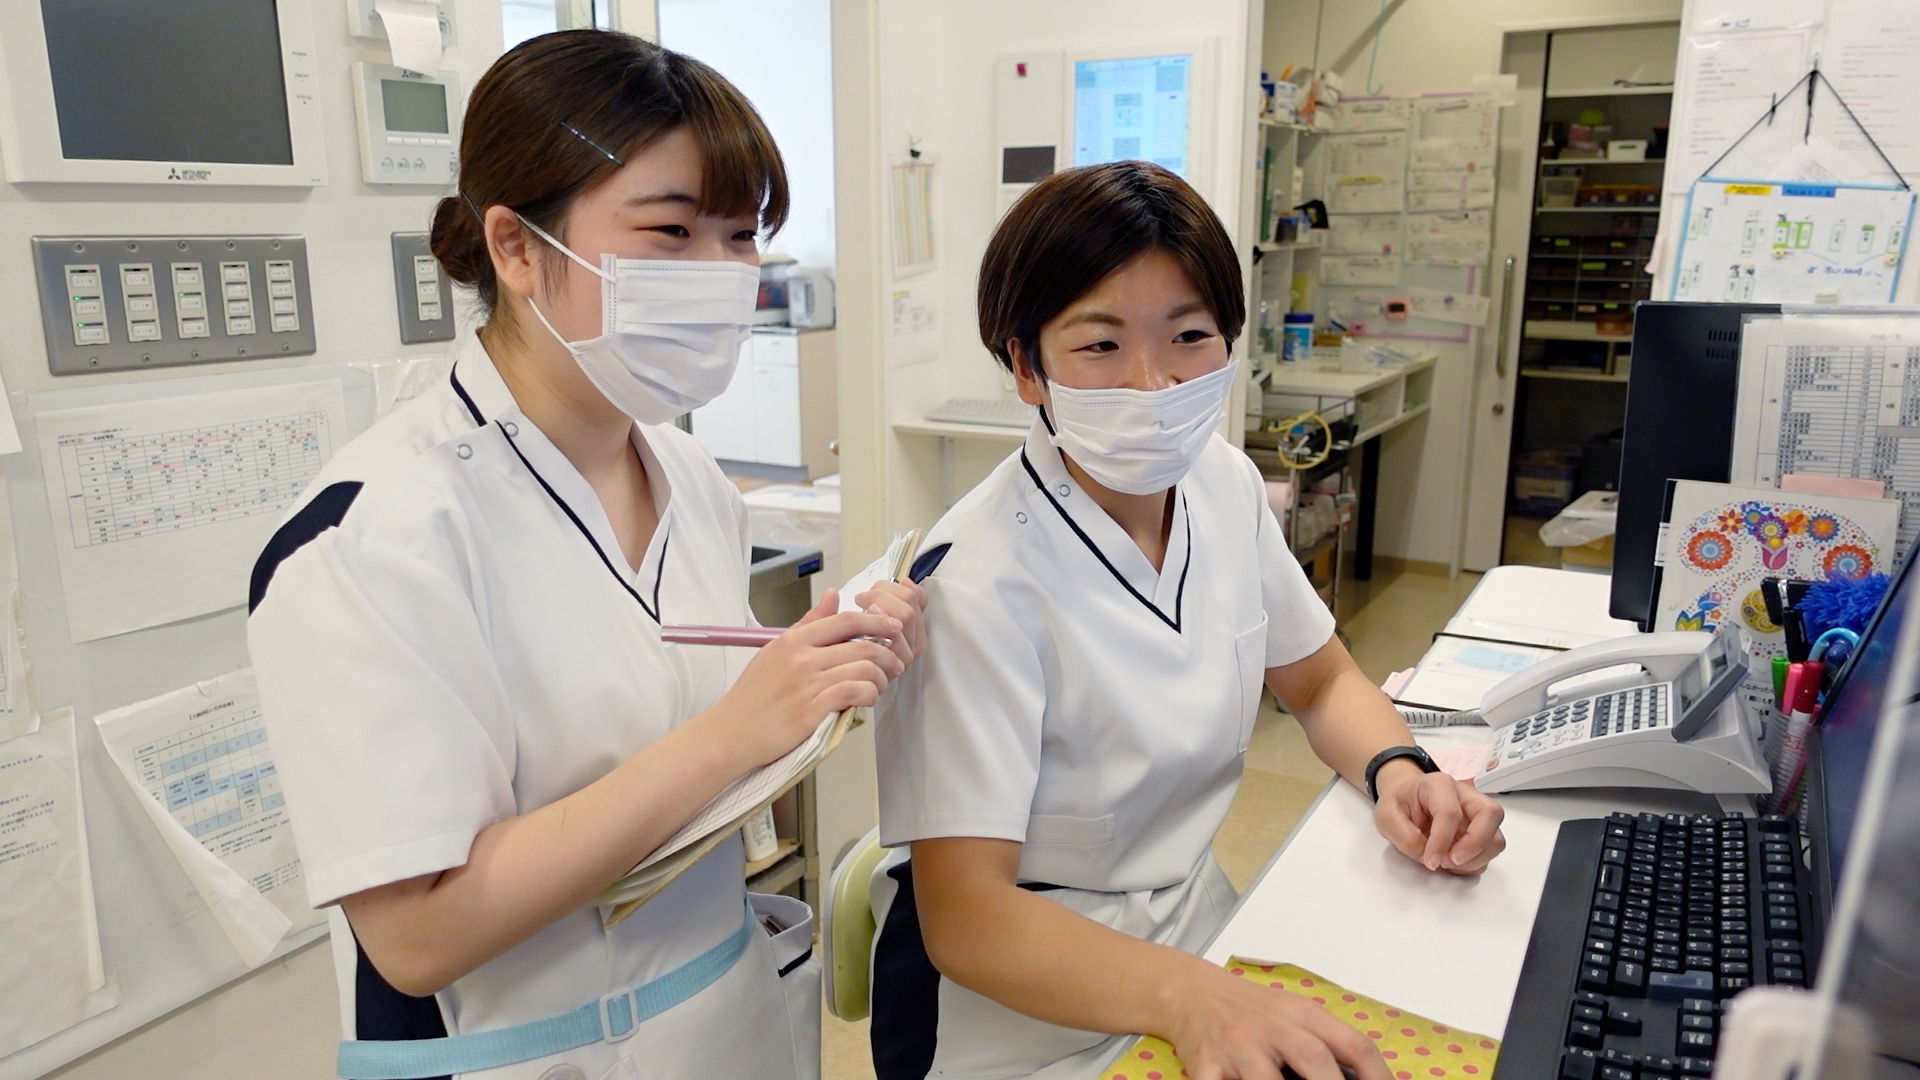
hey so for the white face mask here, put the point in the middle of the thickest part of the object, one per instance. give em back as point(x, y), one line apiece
point(1140, 441)
point(671, 330)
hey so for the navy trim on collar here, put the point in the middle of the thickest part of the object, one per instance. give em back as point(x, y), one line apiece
point(927, 563)
point(322, 512)
point(453, 376)
point(659, 572)
point(1179, 596)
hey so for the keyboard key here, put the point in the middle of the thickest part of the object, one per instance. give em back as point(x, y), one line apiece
point(1629, 979)
point(1736, 967)
point(1579, 1064)
point(1606, 901)
point(1670, 986)
point(1638, 956)
point(1581, 1033)
point(1666, 963)
point(1774, 823)
point(1658, 1065)
point(1786, 928)
point(1789, 976)
point(1588, 997)
point(1610, 920)
point(1601, 945)
point(1589, 1014)
point(1621, 1021)
point(1615, 1072)
point(1696, 1022)
point(1692, 1043)
point(1596, 979)
point(1612, 875)
point(1733, 984)
point(1785, 957)
point(1699, 1005)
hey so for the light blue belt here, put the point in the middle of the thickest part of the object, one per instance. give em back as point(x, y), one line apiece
point(613, 1018)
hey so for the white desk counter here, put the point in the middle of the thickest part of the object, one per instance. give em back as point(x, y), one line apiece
point(1340, 901)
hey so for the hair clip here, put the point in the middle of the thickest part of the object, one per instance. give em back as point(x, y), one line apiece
point(578, 135)
point(468, 199)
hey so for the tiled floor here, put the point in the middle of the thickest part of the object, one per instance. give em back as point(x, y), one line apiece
point(1389, 622)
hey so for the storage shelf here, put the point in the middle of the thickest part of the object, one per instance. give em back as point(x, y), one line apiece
point(783, 849)
point(1613, 91)
point(1572, 376)
point(1269, 247)
point(1283, 125)
point(1596, 209)
point(1550, 330)
point(1545, 162)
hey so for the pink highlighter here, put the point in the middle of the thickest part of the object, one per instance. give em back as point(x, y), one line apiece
point(751, 637)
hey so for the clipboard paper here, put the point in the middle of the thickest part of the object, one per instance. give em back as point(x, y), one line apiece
point(744, 799)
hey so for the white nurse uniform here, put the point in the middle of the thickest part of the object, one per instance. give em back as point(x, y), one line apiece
point(1076, 700)
point(447, 635)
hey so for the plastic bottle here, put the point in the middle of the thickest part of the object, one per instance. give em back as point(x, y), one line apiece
point(1298, 343)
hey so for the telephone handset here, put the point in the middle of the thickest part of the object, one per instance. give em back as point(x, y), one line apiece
point(1669, 719)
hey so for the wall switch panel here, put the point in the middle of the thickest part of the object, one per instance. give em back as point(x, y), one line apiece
point(110, 303)
point(421, 292)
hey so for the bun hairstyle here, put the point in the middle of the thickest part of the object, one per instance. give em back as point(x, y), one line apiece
point(1079, 225)
point(560, 112)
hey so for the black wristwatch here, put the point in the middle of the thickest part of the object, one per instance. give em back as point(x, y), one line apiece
point(1415, 754)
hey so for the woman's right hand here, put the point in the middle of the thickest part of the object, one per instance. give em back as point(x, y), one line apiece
point(818, 667)
point(1224, 1026)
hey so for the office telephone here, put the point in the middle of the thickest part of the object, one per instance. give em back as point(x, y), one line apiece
point(1672, 721)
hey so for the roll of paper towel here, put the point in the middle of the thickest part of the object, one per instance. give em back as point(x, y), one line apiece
point(413, 33)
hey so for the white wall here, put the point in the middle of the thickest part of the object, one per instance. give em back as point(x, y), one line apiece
point(936, 87)
point(1429, 45)
point(281, 1021)
point(779, 53)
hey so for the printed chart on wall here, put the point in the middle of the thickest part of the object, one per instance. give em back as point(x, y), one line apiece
point(160, 506)
point(17, 716)
point(51, 974)
point(1729, 81)
point(1792, 243)
point(1832, 395)
point(199, 762)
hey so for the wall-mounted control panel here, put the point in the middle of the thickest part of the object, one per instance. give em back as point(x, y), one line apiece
point(422, 293)
point(122, 303)
point(409, 124)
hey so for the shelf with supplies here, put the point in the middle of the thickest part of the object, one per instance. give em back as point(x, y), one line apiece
point(1548, 163)
point(1573, 376)
point(1596, 209)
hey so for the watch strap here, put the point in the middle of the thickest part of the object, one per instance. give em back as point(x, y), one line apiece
point(1413, 753)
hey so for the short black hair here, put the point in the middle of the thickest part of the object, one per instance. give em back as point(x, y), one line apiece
point(1076, 227)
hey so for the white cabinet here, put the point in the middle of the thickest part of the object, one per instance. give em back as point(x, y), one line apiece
point(780, 407)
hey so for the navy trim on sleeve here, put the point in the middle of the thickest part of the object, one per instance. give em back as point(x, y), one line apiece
point(927, 563)
point(325, 511)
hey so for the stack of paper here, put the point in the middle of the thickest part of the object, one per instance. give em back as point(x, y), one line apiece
point(746, 797)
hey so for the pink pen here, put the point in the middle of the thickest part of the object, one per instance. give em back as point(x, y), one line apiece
point(751, 637)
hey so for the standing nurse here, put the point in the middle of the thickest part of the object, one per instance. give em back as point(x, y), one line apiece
point(458, 634)
point(1110, 601)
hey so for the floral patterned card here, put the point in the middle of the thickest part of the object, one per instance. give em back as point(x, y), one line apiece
point(1720, 540)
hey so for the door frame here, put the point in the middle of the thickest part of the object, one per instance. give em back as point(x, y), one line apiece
point(1497, 358)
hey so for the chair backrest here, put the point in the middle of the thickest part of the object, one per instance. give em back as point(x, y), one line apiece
point(847, 929)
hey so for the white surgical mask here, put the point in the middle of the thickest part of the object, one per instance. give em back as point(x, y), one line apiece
point(670, 330)
point(1139, 441)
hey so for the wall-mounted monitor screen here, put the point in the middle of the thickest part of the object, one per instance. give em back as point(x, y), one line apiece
point(179, 82)
point(1134, 108)
point(160, 92)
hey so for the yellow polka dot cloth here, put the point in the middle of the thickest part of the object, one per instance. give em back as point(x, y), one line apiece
point(1415, 1047)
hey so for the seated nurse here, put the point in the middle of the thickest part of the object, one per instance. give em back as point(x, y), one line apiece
point(1105, 608)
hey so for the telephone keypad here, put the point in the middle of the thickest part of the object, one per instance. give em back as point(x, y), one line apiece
point(1639, 709)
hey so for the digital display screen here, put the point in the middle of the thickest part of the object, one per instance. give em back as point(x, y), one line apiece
point(414, 106)
point(169, 81)
point(1025, 164)
point(1133, 109)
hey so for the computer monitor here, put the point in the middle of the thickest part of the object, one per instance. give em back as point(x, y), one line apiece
point(1681, 394)
point(1134, 108)
point(208, 92)
point(1865, 815)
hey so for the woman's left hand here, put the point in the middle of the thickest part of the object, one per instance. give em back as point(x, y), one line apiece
point(1439, 822)
point(907, 602)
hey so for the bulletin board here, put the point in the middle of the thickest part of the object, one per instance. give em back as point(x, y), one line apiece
point(160, 941)
point(1408, 185)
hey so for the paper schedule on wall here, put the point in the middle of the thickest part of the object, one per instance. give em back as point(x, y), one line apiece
point(161, 506)
point(200, 765)
point(51, 972)
point(1775, 243)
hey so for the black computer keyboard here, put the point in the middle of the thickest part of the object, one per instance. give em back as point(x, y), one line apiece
point(1646, 926)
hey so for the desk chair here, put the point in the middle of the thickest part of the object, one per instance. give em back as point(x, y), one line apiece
point(847, 929)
